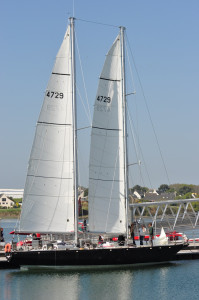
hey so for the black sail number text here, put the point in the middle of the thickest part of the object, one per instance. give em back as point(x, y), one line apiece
point(56, 95)
point(104, 99)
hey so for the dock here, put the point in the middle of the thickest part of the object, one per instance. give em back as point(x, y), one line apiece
point(191, 253)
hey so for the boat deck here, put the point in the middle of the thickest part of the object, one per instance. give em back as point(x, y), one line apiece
point(191, 253)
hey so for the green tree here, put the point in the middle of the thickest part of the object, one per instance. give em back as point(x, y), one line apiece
point(141, 190)
point(184, 190)
point(187, 196)
point(163, 188)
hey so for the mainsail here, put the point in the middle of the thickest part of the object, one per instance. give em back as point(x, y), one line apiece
point(107, 210)
point(48, 204)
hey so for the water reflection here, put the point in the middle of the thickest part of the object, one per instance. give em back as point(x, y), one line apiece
point(106, 285)
point(39, 285)
point(141, 282)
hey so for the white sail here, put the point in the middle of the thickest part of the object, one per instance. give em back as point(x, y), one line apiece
point(106, 167)
point(48, 204)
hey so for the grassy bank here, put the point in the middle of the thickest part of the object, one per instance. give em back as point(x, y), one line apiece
point(10, 213)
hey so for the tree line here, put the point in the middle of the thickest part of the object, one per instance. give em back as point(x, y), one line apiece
point(182, 191)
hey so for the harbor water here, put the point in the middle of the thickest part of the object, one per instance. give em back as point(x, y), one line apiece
point(165, 281)
point(161, 281)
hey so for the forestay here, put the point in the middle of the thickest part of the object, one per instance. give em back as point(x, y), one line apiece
point(106, 167)
point(48, 204)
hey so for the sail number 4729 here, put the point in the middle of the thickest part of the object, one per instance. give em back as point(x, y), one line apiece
point(104, 99)
point(56, 95)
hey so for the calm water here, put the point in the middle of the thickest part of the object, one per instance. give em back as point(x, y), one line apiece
point(178, 280)
point(173, 280)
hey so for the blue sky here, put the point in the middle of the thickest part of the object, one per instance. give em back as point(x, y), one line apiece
point(165, 44)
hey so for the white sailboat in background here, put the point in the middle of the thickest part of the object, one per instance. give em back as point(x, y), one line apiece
point(50, 201)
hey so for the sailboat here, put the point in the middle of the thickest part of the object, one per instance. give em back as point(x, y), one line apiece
point(51, 191)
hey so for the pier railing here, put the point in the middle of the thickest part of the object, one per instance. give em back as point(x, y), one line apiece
point(173, 215)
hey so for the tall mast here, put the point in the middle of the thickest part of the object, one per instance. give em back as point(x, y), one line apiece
point(73, 69)
point(126, 185)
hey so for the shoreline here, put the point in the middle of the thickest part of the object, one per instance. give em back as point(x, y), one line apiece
point(10, 215)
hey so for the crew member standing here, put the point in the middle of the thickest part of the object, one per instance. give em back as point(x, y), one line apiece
point(151, 234)
point(132, 233)
point(142, 232)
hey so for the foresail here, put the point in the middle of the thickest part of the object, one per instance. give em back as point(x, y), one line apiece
point(48, 204)
point(106, 167)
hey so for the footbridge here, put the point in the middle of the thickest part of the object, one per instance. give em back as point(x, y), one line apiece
point(179, 215)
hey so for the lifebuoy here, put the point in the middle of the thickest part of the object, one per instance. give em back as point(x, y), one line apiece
point(7, 248)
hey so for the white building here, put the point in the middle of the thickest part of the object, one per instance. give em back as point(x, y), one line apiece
point(5, 201)
point(14, 193)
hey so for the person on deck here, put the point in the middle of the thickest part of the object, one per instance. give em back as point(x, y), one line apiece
point(132, 229)
point(142, 232)
point(150, 234)
point(121, 240)
point(85, 225)
point(101, 239)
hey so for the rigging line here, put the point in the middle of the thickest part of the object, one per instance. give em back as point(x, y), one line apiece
point(73, 8)
point(82, 161)
point(78, 170)
point(131, 71)
point(135, 129)
point(88, 115)
point(98, 23)
point(133, 132)
point(83, 79)
point(133, 85)
point(136, 109)
point(140, 149)
point(17, 224)
point(142, 180)
point(147, 107)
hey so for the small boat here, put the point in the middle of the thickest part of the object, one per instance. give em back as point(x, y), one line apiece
point(50, 204)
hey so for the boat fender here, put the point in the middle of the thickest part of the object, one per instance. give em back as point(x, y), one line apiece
point(7, 248)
